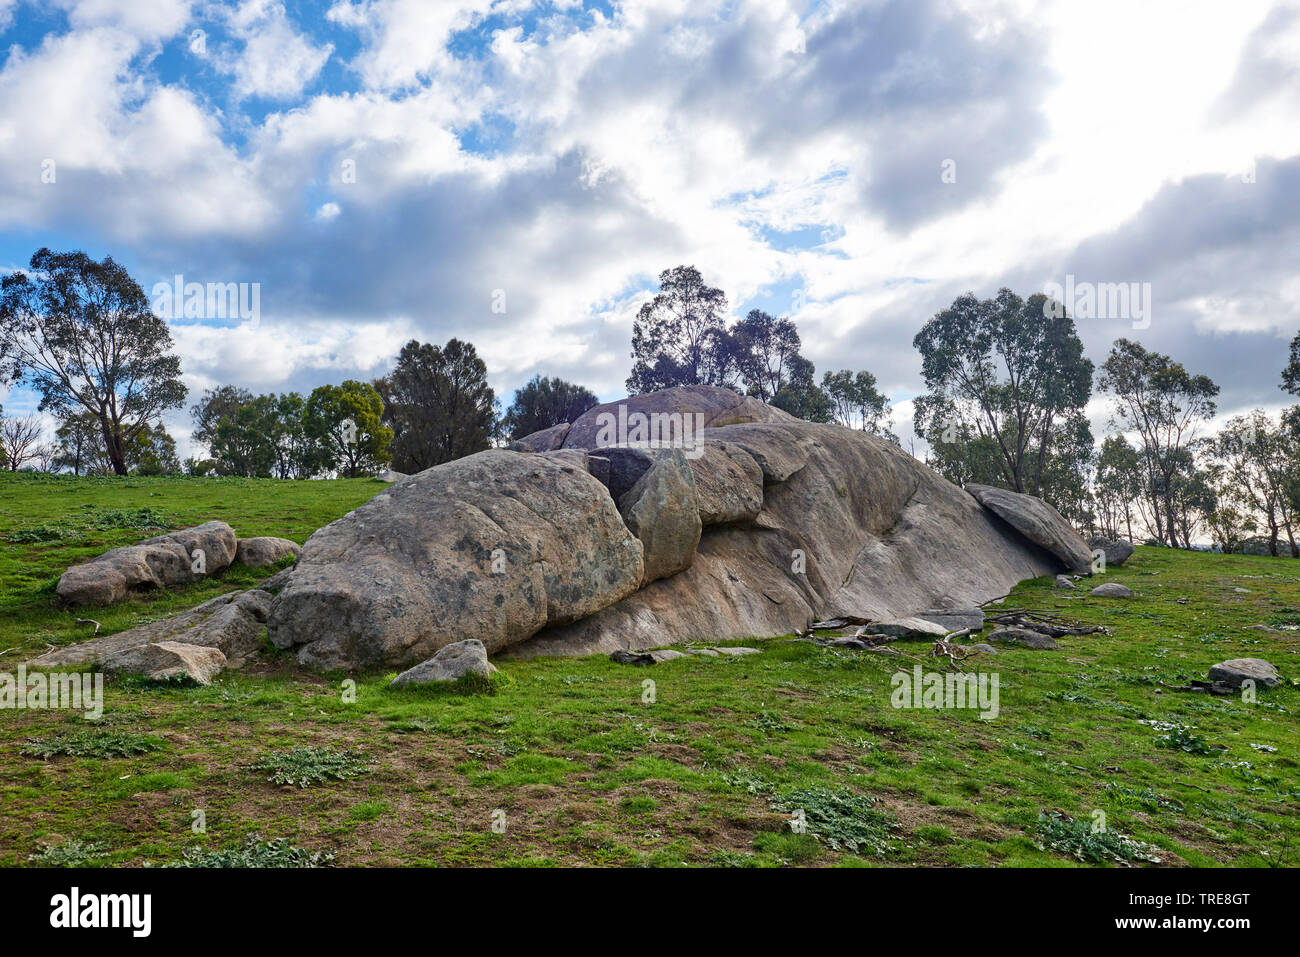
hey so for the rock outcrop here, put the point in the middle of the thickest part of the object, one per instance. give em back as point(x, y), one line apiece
point(172, 559)
point(754, 526)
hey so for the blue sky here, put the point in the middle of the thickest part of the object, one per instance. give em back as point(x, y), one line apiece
point(389, 169)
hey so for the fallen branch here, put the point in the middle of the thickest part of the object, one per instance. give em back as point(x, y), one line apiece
point(90, 621)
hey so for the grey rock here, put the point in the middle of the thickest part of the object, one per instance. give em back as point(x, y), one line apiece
point(728, 484)
point(391, 475)
point(1236, 670)
point(986, 648)
point(264, 550)
point(153, 563)
point(640, 659)
point(880, 535)
point(705, 652)
point(909, 628)
point(1024, 637)
point(1039, 523)
point(1112, 590)
point(1117, 552)
point(277, 582)
point(716, 407)
point(737, 651)
point(1064, 581)
point(661, 511)
point(547, 440)
point(493, 546)
point(163, 660)
point(234, 623)
point(450, 663)
point(955, 619)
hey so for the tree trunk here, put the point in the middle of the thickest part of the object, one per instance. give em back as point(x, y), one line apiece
point(113, 445)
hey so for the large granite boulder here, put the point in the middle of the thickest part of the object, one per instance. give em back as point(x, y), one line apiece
point(494, 546)
point(172, 559)
point(661, 510)
point(1038, 522)
point(234, 624)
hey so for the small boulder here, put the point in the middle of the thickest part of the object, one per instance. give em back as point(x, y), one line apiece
point(1024, 637)
point(264, 550)
point(452, 662)
point(163, 660)
point(1064, 581)
point(915, 627)
point(1111, 590)
point(1236, 670)
point(547, 440)
point(737, 652)
point(1117, 552)
point(986, 648)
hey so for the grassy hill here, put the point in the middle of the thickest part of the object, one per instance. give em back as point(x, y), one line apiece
point(572, 763)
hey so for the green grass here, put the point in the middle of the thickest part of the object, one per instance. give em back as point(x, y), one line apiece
point(561, 763)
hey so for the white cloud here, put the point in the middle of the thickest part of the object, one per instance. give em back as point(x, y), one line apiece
point(276, 62)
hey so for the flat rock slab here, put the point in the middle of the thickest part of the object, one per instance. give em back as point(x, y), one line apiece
point(1236, 670)
point(955, 619)
point(909, 628)
point(172, 559)
point(1111, 590)
point(264, 550)
point(234, 623)
point(1038, 522)
point(737, 651)
point(451, 663)
point(1025, 637)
